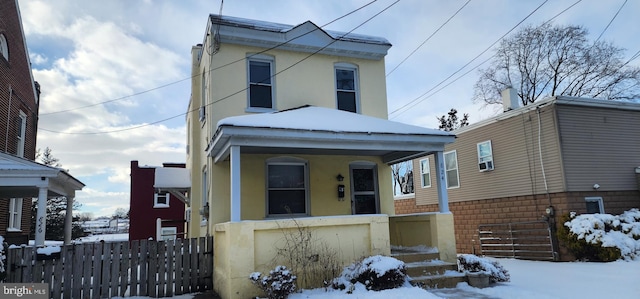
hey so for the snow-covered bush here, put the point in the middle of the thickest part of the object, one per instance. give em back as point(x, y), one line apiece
point(278, 284)
point(375, 273)
point(602, 237)
point(474, 263)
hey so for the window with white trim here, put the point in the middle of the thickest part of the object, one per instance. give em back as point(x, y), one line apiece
point(451, 169)
point(347, 87)
point(202, 112)
point(161, 200)
point(21, 126)
point(485, 156)
point(15, 214)
point(204, 209)
point(594, 205)
point(425, 173)
point(260, 76)
point(4, 47)
point(287, 187)
point(168, 233)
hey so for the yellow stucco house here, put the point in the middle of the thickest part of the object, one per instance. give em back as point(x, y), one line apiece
point(289, 122)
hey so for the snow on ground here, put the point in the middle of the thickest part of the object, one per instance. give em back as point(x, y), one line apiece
point(105, 237)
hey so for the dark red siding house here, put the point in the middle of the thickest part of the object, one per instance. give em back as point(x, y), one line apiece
point(151, 212)
point(18, 116)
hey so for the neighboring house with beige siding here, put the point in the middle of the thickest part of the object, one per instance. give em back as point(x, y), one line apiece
point(571, 154)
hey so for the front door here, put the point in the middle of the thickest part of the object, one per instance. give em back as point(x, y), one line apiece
point(364, 189)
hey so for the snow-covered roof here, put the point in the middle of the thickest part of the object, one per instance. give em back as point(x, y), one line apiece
point(313, 118)
point(305, 37)
point(325, 131)
point(172, 178)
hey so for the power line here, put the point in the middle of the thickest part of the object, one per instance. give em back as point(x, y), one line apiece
point(417, 100)
point(216, 68)
point(428, 38)
point(233, 94)
point(614, 17)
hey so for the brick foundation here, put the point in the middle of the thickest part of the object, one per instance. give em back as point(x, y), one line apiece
point(468, 215)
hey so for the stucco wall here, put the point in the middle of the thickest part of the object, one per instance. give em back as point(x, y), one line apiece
point(242, 248)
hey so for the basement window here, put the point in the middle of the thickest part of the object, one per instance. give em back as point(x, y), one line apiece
point(594, 205)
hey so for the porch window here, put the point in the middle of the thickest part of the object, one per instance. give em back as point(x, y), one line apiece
point(287, 187)
point(485, 156)
point(15, 214)
point(260, 69)
point(347, 87)
point(425, 173)
point(594, 205)
point(451, 169)
point(161, 200)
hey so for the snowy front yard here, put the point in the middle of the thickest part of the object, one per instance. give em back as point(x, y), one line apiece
point(529, 280)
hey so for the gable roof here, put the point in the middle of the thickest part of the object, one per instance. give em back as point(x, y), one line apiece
point(325, 131)
point(305, 37)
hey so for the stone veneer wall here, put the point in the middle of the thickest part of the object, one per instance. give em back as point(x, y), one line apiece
point(468, 215)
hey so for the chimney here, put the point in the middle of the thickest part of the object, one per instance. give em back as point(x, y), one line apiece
point(510, 99)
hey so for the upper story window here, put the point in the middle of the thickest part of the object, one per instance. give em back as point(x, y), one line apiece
point(425, 173)
point(21, 126)
point(4, 47)
point(205, 97)
point(15, 214)
point(161, 200)
point(287, 187)
point(451, 169)
point(260, 73)
point(485, 156)
point(347, 87)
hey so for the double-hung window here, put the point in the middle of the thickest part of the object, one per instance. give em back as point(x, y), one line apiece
point(287, 187)
point(451, 169)
point(261, 77)
point(425, 173)
point(15, 214)
point(485, 156)
point(21, 134)
point(161, 200)
point(347, 87)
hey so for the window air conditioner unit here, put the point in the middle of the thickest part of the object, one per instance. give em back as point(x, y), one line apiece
point(202, 113)
point(485, 166)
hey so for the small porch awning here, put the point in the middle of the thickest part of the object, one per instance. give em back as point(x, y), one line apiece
point(318, 130)
point(174, 180)
point(21, 178)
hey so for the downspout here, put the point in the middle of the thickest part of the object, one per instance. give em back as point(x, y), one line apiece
point(550, 216)
point(544, 176)
point(6, 140)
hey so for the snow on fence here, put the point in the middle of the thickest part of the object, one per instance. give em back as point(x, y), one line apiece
point(110, 269)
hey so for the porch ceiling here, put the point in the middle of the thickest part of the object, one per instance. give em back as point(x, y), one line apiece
point(324, 131)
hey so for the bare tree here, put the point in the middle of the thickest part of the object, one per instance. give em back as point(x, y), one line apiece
point(402, 177)
point(450, 121)
point(550, 60)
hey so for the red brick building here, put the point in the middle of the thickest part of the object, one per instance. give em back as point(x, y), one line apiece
point(147, 206)
point(19, 95)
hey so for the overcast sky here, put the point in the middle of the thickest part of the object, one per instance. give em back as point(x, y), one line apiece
point(88, 52)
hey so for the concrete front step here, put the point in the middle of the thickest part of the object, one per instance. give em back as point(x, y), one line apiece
point(449, 280)
point(412, 256)
point(426, 268)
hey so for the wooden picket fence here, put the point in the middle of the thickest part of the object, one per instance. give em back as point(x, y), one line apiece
point(109, 269)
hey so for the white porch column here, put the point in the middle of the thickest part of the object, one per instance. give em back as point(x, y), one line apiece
point(41, 216)
point(234, 160)
point(68, 220)
point(443, 198)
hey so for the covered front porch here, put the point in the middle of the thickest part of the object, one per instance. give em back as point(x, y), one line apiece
point(316, 170)
point(22, 178)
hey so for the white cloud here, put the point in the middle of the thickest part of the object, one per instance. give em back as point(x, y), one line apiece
point(37, 58)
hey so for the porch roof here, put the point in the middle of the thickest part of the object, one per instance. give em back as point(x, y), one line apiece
point(20, 177)
point(318, 130)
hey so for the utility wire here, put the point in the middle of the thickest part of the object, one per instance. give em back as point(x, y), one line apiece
point(213, 69)
point(428, 38)
point(417, 100)
point(614, 17)
point(233, 94)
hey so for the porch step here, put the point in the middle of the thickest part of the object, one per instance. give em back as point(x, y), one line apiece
point(426, 270)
